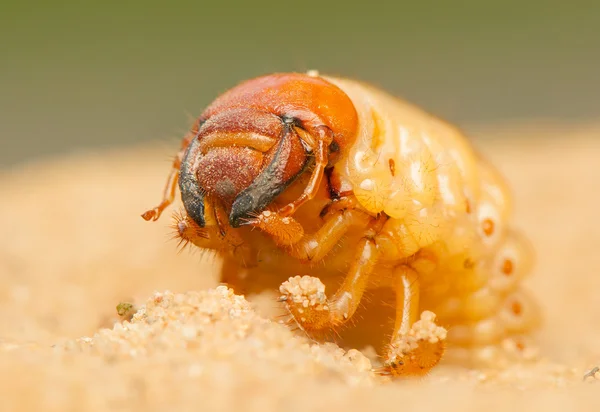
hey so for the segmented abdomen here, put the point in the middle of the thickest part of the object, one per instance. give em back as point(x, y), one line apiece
point(450, 214)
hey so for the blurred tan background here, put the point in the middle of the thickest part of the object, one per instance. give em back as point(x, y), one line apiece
point(95, 74)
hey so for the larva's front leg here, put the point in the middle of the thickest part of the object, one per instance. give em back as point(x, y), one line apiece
point(168, 193)
point(172, 180)
point(305, 296)
point(289, 235)
point(306, 300)
point(417, 345)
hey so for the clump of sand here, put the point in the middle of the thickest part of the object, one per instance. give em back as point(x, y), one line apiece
point(73, 247)
point(216, 327)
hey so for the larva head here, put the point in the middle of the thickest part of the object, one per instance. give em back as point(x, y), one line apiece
point(257, 138)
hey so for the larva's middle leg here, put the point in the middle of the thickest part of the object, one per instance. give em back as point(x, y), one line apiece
point(306, 300)
point(417, 345)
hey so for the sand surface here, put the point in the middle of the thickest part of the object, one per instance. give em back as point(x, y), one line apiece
point(72, 246)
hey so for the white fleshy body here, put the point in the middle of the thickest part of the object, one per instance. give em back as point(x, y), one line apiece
point(450, 216)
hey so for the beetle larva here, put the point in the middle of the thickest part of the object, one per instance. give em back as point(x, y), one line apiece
point(296, 174)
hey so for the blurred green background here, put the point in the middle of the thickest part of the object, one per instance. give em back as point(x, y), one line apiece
point(85, 74)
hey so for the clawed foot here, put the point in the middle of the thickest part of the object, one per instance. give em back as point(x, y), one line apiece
point(413, 353)
point(152, 214)
point(305, 299)
point(419, 350)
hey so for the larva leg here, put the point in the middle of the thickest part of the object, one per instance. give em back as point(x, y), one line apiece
point(407, 299)
point(417, 345)
point(168, 193)
point(171, 185)
point(321, 147)
point(305, 296)
point(289, 234)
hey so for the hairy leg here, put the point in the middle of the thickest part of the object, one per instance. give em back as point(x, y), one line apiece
point(417, 345)
point(289, 235)
point(306, 300)
point(171, 185)
point(338, 217)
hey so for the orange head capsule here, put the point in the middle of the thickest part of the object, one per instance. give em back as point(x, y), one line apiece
point(256, 139)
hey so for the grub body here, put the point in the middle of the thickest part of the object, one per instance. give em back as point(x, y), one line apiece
point(450, 217)
point(402, 201)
